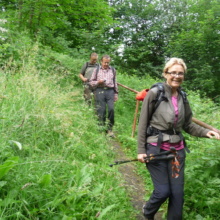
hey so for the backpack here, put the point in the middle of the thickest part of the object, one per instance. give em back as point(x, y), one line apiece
point(159, 98)
point(160, 95)
point(87, 65)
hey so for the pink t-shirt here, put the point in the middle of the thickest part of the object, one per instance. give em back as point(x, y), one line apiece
point(166, 145)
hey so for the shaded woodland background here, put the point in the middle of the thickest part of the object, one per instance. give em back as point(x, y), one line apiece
point(139, 34)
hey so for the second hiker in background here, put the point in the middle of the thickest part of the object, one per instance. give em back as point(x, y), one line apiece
point(103, 80)
point(165, 113)
point(85, 75)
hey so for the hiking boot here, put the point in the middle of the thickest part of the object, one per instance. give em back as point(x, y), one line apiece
point(110, 134)
point(144, 213)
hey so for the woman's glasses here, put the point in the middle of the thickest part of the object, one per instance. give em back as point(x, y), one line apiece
point(180, 74)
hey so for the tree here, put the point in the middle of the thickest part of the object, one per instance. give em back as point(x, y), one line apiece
point(154, 31)
point(57, 22)
point(147, 27)
point(198, 44)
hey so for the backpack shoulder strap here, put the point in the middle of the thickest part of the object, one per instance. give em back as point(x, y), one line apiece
point(84, 68)
point(114, 73)
point(184, 96)
point(97, 70)
point(160, 95)
point(87, 64)
point(113, 70)
point(185, 100)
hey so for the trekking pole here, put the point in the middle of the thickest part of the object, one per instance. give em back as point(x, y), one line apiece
point(166, 155)
point(135, 118)
point(136, 109)
point(122, 161)
point(147, 159)
point(203, 124)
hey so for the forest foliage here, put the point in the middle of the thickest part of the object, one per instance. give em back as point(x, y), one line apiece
point(139, 35)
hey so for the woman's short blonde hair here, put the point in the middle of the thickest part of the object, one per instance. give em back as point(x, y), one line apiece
point(172, 62)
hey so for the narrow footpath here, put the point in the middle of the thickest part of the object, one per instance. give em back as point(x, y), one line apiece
point(133, 183)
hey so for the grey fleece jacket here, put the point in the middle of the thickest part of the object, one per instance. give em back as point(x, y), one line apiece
point(163, 119)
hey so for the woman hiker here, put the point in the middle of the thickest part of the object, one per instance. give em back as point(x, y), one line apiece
point(165, 123)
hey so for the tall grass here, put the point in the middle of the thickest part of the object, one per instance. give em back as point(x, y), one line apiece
point(54, 160)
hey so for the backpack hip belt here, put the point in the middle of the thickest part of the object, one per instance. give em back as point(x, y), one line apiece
point(151, 131)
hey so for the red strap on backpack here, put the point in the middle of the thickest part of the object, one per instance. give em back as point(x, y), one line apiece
point(141, 95)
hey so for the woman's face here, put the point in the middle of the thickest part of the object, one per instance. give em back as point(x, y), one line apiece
point(175, 76)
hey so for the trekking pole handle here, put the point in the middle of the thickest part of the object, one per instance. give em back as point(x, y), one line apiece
point(163, 157)
point(172, 150)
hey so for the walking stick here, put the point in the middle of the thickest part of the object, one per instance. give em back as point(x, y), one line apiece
point(132, 90)
point(165, 155)
point(135, 118)
point(136, 109)
point(201, 123)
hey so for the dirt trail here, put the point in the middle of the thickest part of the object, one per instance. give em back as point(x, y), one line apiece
point(133, 182)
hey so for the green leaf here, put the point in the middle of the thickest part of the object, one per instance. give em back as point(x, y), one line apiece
point(215, 182)
point(2, 183)
point(199, 217)
point(45, 180)
point(107, 209)
point(8, 164)
point(16, 143)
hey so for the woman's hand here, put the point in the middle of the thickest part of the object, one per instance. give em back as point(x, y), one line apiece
point(213, 134)
point(85, 79)
point(141, 158)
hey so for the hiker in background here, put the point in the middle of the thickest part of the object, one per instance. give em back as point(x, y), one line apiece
point(103, 80)
point(85, 75)
point(165, 123)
